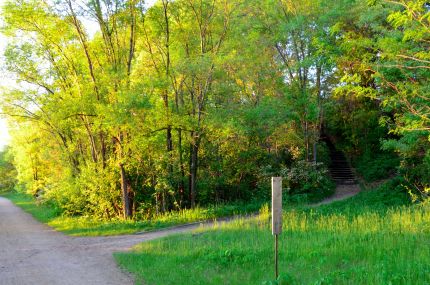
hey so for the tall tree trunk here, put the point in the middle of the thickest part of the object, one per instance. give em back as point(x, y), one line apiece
point(169, 143)
point(190, 163)
point(181, 165)
point(193, 170)
point(93, 145)
point(166, 91)
point(103, 148)
point(84, 43)
point(125, 190)
point(307, 139)
point(320, 110)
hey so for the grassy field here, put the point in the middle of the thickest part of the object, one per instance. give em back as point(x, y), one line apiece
point(88, 226)
point(372, 238)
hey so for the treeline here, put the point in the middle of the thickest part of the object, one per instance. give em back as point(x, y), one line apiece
point(194, 102)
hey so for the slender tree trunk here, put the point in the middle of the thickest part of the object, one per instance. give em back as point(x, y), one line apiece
point(93, 146)
point(320, 109)
point(181, 165)
point(103, 149)
point(125, 187)
point(126, 191)
point(190, 163)
point(164, 204)
point(307, 139)
point(84, 43)
point(169, 142)
point(193, 171)
point(166, 91)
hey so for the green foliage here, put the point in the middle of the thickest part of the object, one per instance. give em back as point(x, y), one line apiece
point(174, 114)
point(415, 162)
point(382, 60)
point(354, 122)
point(307, 181)
point(375, 237)
point(376, 165)
point(42, 211)
point(7, 171)
point(189, 103)
point(323, 153)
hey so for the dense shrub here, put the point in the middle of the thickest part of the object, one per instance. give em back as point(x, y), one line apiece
point(308, 181)
point(7, 170)
point(376, 165)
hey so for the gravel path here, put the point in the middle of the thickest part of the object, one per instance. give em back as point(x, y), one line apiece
point(33, 253)
point(342, 192)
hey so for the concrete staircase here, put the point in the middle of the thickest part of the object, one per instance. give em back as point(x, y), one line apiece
point(340, 170)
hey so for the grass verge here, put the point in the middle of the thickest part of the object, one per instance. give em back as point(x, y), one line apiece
point(44, 213)
point(372, 238)
point(89, 226)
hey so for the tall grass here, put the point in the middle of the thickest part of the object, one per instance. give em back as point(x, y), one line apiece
point(349, 242)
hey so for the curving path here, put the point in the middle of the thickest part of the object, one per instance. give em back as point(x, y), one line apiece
point(33, 253)
point(342, 192)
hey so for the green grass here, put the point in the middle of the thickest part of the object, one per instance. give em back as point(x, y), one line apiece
point(41, 212)
point(89, 226)
point(372, 238)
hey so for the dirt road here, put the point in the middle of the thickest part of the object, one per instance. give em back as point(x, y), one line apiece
point(33, 253)
point(342, 192)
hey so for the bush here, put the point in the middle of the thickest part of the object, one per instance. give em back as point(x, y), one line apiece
point(7, 171)
point(308, 181)
point(373, 166)
point(393, 193)
point(416, 172)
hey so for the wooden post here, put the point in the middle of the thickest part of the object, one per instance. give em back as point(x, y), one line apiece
point(276, 258)
point(276, 215)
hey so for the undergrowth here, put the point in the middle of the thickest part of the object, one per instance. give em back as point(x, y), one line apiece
point(373, 166)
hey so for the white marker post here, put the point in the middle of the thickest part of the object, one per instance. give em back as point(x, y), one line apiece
point(276, 215)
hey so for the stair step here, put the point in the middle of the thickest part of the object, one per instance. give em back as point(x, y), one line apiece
point(340, 170)
point(342, 178)
point(346, 183)
point(345, 180)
